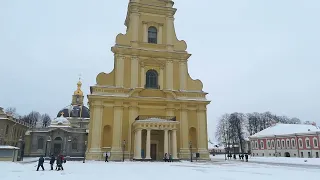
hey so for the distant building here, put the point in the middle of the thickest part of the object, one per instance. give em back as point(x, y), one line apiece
point(67, 134)
point(287, 140)
point(11, 129)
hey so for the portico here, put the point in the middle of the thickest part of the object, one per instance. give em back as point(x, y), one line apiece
point(154, 137)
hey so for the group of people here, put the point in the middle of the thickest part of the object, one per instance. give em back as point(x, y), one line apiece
point(59, 161)
point(167, 157)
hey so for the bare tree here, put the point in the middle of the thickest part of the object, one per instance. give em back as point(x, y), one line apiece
point(45, 120)
point(32, 117)
point(12, 111)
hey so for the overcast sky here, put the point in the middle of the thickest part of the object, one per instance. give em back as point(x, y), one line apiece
point(251, 55)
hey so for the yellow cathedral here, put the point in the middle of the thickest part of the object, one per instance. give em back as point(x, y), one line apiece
point(148, 105)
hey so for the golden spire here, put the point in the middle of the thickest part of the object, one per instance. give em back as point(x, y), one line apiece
point(78, 91)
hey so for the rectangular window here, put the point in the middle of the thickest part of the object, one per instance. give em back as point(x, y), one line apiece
point(309, 155)
point(317, 154)
point(302, 154)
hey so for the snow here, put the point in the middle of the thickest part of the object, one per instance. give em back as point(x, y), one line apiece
point(276, 160)
point(8, 147)
point(156, 171)
point(286, 129)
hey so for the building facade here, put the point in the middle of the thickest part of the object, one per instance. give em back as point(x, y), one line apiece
point(148, 105)
point(287, 140)
point(11, 129)
point(67, 134)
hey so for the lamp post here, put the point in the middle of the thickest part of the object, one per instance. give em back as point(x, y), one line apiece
point(123, 148)
point(69, 141)
point(190, 146)
point(21, 145)
point(48, 142)
point(85, 150)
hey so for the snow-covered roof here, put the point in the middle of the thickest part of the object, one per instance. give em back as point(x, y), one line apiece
point(60, 122)
point(285, 129)
point(8, 147)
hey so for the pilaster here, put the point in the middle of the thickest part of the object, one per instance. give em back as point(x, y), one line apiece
point(134, 71)
point(161, 75)
point(169, 74)
point(145, 32)
point(202, 133)
point(183, 74)
point(133, 113)
point(142, 75)
point(119, 70)
point(95, 153)
point(135, 24)
point(184, 133)
point(160, 35)
point(116, 150)
point(170, 32)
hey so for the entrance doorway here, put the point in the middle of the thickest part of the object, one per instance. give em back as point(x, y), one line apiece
point(56, 149)
point(286, 154)
point(153, 152)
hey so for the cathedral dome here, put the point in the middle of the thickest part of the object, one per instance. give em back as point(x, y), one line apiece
point(75, 111)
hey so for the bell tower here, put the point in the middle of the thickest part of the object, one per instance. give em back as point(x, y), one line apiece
point(77, 97)
point(150, 79)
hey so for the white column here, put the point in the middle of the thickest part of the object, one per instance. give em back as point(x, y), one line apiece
point(160, 35)
point(161, 78)
point(165, 141)
point(119, 70)
point(169, 74)
point(183, 75)
point(145, 33)
point(148, 144)
point(134, 72)
point(137, 144)
point(142, 76)
point(174, 144)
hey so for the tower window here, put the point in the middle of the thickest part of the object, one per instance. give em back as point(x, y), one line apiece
point(152, 35)
point(152, 79)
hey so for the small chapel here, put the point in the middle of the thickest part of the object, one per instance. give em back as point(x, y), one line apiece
point(148, 106)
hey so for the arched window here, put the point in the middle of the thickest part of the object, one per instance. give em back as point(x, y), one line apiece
point(152, 35)
point(300, 143)
point(293, 143)
point(152, 79)
point(307, 142)
point(315, 142)
point(40, 143)
point(74, 144)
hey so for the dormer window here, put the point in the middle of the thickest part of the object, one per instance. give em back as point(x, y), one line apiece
point(152, 35)
point(152, 79)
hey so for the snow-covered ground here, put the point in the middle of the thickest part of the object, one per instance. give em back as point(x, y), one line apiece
point(279, 160)
point(157, 170)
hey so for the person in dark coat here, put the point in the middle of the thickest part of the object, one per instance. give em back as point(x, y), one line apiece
point(59, 163)
point(106, 160)
point(247, 157)
point(52, 160)
point(40, 163)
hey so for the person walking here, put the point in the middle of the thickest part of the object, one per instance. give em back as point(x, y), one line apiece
point(106, 157)
point(52, 160)
point(40, 163)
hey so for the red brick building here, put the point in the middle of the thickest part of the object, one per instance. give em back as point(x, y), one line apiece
point(287, 140)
